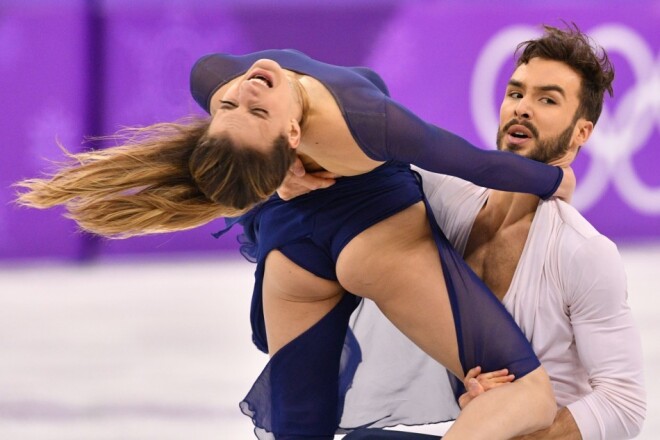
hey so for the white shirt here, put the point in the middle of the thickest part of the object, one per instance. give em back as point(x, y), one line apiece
point(569, 296)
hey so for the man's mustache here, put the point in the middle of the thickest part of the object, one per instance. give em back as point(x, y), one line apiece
point(525, 124)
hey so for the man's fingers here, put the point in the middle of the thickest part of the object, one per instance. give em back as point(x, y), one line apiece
point(498, 373)
point(295, 186)
point(298, 182)
point(496, 382)
point(325, 174)
point(313, 181)
point(474, 388)
point(494, 379)
point(473, 373)
point(464, 400)
point(297, 169)
point(502, 379)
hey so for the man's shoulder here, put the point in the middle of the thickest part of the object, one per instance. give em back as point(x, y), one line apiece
point(569, 220)
point(574, 232)
point(581, 259)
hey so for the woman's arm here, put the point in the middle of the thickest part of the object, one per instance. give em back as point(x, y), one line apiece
point(411, 140)
point(212, 71)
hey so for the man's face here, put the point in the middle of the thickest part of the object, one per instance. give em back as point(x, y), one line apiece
point(537, 115)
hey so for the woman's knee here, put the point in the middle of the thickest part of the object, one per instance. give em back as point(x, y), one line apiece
point(538, 386)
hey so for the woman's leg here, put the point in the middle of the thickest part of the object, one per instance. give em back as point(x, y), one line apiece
point(521, 407)
point(293, 299)
point(396, 264)
point(300, 392)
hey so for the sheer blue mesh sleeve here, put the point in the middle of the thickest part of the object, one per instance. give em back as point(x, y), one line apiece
point(409, 139)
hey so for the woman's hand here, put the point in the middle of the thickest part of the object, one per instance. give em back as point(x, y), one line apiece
point(476, 383)
point(299, 182)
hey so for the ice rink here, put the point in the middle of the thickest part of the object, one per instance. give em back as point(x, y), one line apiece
point(147, 349)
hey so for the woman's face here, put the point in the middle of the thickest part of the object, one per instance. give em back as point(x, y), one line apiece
point(257, 107)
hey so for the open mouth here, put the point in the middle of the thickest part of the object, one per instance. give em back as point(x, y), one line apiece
point(263, 79)
point(519, 131)
point(518, 135)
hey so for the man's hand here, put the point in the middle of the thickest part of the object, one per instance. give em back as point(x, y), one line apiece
point(299, 182)
point(476, 383)
point(567, 185)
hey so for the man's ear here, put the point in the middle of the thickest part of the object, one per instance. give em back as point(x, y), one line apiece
point(583, 130)
point(294, 134)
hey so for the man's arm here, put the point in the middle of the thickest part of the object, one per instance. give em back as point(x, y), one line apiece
point(607, 341)
point(563, 428)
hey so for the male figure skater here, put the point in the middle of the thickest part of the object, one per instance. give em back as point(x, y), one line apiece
point(562, 281)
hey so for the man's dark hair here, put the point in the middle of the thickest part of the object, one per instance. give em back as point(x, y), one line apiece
point(572, 47)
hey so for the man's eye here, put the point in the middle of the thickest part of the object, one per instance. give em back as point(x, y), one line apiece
point(548, 101)
point(227, 104)
point(515, 95)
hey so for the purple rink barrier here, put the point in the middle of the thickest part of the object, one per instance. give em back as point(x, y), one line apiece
point(43, 88)
point(450, 63)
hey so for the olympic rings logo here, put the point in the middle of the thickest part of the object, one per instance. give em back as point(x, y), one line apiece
point(619, 134)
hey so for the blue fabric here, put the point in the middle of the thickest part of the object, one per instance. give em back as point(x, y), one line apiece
point(384, 129)
point(311, 230)
point(380, 434)
point(312, 373)
point(300, 393)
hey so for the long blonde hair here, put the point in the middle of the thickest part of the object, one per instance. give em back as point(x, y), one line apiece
point(152, 181)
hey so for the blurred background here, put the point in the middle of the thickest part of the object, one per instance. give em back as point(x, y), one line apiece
point(149, 337)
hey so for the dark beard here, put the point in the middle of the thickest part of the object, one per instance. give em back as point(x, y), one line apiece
point(546, 150)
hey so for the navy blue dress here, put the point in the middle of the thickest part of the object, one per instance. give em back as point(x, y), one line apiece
point(301, 392)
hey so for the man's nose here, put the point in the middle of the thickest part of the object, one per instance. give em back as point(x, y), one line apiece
point(523, 109)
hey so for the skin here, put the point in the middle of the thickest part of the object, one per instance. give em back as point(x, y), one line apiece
point(252, 112)
point(381, 263)
point(325, 143)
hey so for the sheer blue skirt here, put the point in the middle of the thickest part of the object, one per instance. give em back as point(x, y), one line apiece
point(353, 369)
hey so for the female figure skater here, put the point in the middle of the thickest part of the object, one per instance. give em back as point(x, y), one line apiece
point(369, 235)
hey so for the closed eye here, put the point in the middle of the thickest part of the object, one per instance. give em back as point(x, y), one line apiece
point(260, 112)
point(227, 105)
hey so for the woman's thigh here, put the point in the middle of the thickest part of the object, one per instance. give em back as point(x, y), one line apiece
point(294, 299)
point(396, 264)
